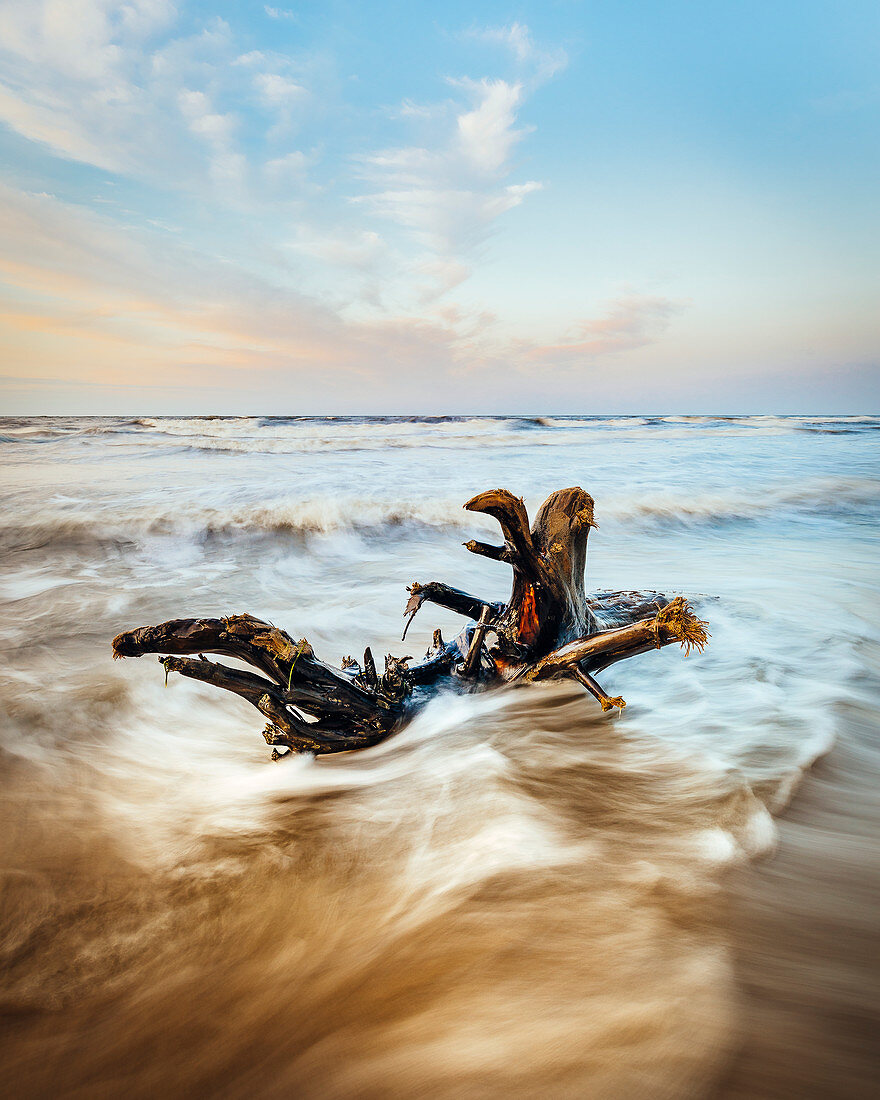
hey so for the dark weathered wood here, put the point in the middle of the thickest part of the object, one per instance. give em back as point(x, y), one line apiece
point(497, 553)
point(550, 628)
point(475, 649)
point(548, 602)
point(350, 711)
point(675, 622)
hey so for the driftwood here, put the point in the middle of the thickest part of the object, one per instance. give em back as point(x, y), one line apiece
point(548, 629)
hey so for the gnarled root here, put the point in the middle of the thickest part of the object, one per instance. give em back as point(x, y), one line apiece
point(548, 628)
point(312, 707)
point(676, 622)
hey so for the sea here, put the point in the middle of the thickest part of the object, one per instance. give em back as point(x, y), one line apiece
point(514, 896)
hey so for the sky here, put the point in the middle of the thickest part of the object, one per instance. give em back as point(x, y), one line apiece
point(336, 207)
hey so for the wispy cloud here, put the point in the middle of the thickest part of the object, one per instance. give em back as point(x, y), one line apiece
point(142, 301)
point(74, 79)
point(116, 88)
point(627, 322)
point(448, 191)
point(128, 300)
point(537, 63)
point(356, 269)
point(486, 133)
point(277, 90)
point(193, 111)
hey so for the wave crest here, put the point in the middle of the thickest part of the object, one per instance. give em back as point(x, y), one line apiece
point(307, 434)
point(323, 516)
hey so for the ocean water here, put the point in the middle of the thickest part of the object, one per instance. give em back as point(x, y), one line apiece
point(514, 896)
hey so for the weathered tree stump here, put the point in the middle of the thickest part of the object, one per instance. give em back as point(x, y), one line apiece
point(548, 629)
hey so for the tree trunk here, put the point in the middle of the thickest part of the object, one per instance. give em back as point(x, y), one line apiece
point(549, 628)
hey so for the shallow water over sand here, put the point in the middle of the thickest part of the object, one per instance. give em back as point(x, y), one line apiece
point(516, 894)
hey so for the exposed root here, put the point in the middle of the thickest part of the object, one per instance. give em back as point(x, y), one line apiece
point(678, 622)
point(549, 627)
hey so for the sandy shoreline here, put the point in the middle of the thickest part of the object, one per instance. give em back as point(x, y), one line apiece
point(806, 935)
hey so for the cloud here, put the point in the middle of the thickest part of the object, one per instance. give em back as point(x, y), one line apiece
point(253, 57)
point(486, 134)
point(341, 249)
point(448, 192)
point(81, 79)
point(440, 276)
point(279, 13)
point(628, 322)
point(41, 123)
point(215, 128)
point(80, 41)
point(145, 305)
point(69, 76)
point(121, 88)
point(283, 97)
point(289, 170)
point(123, 301)
point(342, 265)
point(538, 62)
point(227, 168)
point(278, 91)
point(118, 87)
point(445, 192)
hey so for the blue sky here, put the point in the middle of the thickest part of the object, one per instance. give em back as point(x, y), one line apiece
point(345, 207)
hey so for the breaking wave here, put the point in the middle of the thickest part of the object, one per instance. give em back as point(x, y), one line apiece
point(70, 522)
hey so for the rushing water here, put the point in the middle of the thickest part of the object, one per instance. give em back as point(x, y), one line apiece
point(515, 896)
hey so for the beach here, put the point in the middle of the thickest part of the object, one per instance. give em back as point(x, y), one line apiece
point(515, 895)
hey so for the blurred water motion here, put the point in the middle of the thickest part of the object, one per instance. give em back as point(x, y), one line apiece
point(514, 896)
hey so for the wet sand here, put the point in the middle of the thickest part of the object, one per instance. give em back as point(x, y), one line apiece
point(806, 935)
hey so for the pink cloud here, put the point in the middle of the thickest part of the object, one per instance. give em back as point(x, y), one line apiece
point(630, 321)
